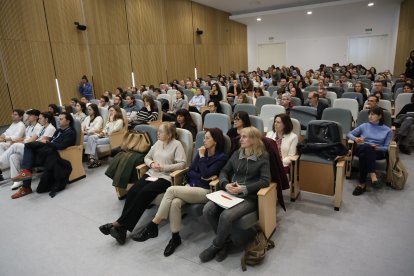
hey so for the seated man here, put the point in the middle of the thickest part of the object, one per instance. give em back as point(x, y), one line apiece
point(45, 152)
point(378, 87)
point(9, 158)
point(372, 102)
point(13, 133)
point(405, 123)
point(407, 88)
point(313, 98)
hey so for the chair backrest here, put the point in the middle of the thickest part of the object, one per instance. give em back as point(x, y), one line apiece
point(401, 100)
point(268, 112)
point(104, 114)
point(250, 99)
point(226, 108)
point(189, 94)
point(159, 107)
point(310, 88)
point(249, 108)
point(139, 104)
point(385, 104)
point(331, 96)
point(186, 139)
point(350, 104)
point(151, 130)
point(172, 92)
point(264, 100)
point(199, 141)
point(206, 88)
point(338, 90)
point(221, 121)
point(166, 97)
point(354, 95)
point(363, 117)
point(78, 127)
point(257, 122)
point(296, 101)
point(197, 119)
point(304, 114)
point(325, 101)
point(296, 127)
point(339, 115)
point(223, 90)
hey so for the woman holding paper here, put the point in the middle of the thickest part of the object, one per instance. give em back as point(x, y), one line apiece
point(246, 172)
point(164, 157)
point(205, 166)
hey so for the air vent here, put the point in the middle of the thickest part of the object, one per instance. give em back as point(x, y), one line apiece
point(271, 38)
point(368, 29)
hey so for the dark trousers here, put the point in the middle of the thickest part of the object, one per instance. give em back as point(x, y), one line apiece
point(404, 132)
point(138, 198)
point(367, 156)
point(42, 153)
point(193, 109)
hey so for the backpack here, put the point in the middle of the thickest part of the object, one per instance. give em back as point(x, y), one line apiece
point(256, 250)
point(396, 170)
point(324, 132)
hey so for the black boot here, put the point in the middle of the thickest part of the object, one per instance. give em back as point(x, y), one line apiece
point(149, 231)
point(172, 244)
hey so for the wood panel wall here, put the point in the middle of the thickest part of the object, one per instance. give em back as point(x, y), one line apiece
point(405, 39)
point(26, 53)
point(154, 38)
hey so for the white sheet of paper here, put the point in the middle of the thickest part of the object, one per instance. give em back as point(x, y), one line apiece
point(224, 199)
point(151, 178)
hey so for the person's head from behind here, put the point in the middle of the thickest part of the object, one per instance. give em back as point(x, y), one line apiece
point(166, 132)
point(242, 98)
point(68, 108)
point(17, 115)
point(376, 115)
point(214, 139)
point(379, 86)
point(282, 124)
point(408, 88)
point(372, 101)
point(53, 109)
point(46, 118)
point(93, 110)
point(241, 120)
point(313, 98)
point(32, 115)
point(285, 100)
point(65, 120)
point(251, 142)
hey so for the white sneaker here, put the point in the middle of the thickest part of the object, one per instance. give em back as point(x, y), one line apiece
point(16, 185)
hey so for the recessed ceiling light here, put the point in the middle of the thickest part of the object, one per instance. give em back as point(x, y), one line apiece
point(309, 12)
point(371, 4)
point(259, 19)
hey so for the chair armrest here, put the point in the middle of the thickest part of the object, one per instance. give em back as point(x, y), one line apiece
point(141, 170)
point(393, 130)
point(267, 202)
point(178, 176)
point(116, 138)
point(213, 185)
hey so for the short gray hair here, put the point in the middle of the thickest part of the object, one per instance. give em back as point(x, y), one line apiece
point(287, 95)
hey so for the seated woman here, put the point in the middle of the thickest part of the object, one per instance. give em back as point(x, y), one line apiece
point(67, 108)
point(258, 92)
point(185, 121)
point(285, 139)
point(80, 111)
point(241, 120)
point(372, 139)
point(246, 172)
point(148, 113)
point(205, 167)
point(213, 107)
point(52, 108)
point(242, 98)
point(197, 101)
point(114, 124)
point(93, 123)
point(164, 157)
point(296, 92)
point(215, 92)
point(179, 103)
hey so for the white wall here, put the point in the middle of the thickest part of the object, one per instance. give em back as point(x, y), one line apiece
point(323, 36)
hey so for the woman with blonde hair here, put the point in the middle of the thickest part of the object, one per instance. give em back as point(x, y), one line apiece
point(164, 157)
point(246, 172)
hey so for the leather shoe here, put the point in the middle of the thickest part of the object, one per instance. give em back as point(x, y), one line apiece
point(106, 228)
point(145, 234)
point(359, 190)
point(222, 254)
point(171, 246)
point(209, 253)
point(118, 234)
point(376, 184)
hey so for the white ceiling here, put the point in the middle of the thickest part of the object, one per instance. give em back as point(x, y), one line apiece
point(239, 7)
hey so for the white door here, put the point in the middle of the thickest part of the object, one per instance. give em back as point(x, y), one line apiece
point(269, 54)
point(369, 51)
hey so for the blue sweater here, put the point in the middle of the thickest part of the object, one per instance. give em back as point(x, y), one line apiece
point(374, 134)
point(205, 167)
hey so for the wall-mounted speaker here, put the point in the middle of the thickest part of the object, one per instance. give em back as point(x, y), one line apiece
point(80, 27)
point(199, 32)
